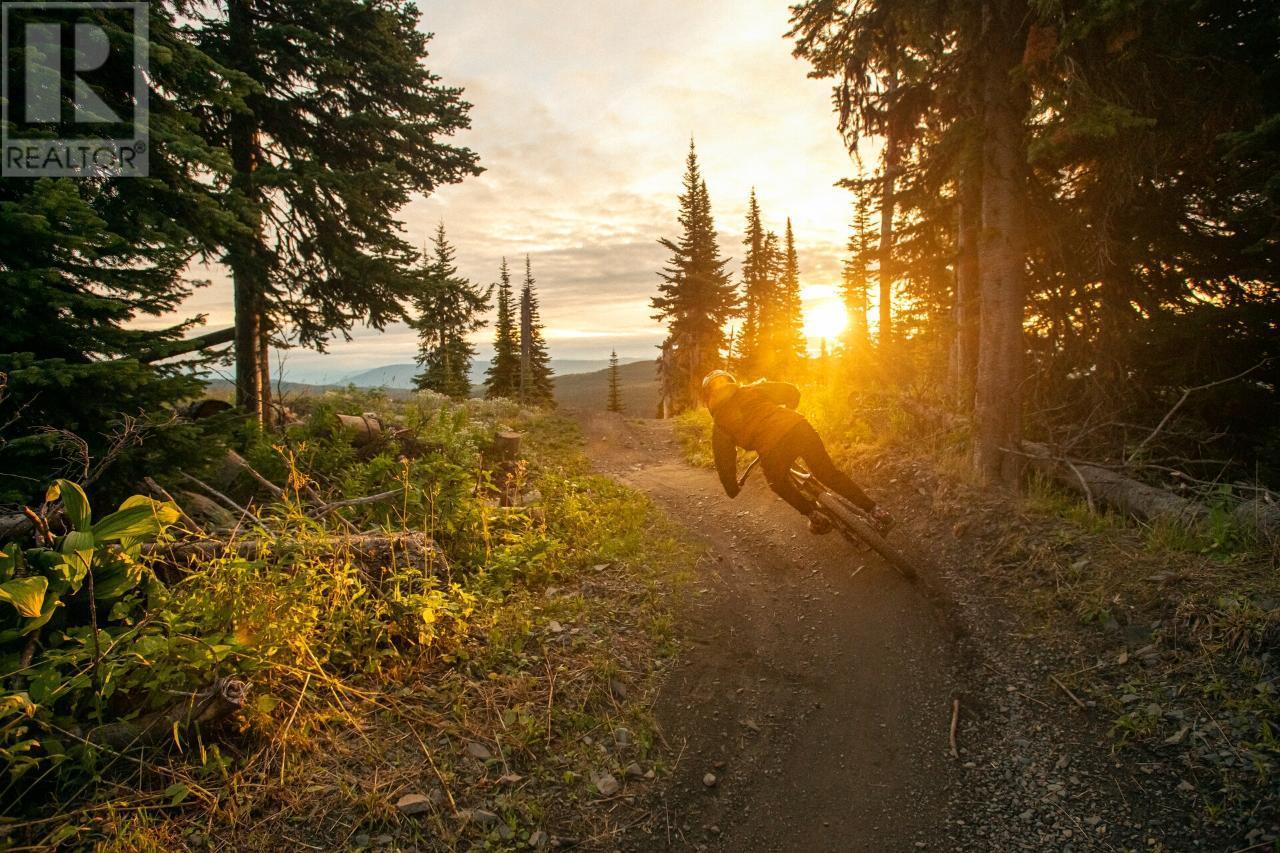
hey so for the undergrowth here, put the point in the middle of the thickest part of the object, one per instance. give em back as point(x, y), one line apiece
point(1182, 623)
point(481, 688)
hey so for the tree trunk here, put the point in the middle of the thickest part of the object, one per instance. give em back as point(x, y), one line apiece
point(248, 376)
point(860, 333)
point(887, 204)
point(244, 253)
point(266, 412)
point(1002, 252)
point(968, 284)
point(526, 351)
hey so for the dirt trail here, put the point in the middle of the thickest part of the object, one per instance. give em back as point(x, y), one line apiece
point(816, 685)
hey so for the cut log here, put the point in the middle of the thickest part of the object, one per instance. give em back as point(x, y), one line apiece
point(206, 708)
point(364, 429)
point(506, 445)
point(1103, 487)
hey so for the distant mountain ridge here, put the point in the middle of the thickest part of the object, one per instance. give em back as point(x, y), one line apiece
point(637, 381)
point(400, 376)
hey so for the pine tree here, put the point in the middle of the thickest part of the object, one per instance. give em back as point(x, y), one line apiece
point(536, 385)
point(502, 379)
point(448, 308)
point(792, 349)
point(696, 297)
point(82, 261)
point(756, 346)
point(615, 389)
point(856, 278)
point(771, 356)
point(337, 123)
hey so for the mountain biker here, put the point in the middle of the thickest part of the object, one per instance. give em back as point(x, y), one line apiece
point(762, 417)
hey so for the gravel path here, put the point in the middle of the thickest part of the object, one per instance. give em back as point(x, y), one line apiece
point(811, 707)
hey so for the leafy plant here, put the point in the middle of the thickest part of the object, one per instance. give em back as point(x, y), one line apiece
point(59, 586)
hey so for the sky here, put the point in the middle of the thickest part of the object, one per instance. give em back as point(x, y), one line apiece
point(582, 115)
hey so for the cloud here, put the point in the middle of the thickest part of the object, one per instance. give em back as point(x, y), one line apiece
point(582, 115)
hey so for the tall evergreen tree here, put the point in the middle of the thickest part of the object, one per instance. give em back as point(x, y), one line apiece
point(615, 389)
point(448, 308)
point(879, 52)
point(536, 385)
point(792, 349)
point(502, 379)
point(338, 123)
point(757, 345)
point(83, 259)
point(856, 277)
point(696, 297)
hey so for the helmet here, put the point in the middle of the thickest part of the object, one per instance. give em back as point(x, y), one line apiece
point(711, 379)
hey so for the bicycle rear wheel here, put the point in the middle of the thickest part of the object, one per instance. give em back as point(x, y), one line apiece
point(854, 526)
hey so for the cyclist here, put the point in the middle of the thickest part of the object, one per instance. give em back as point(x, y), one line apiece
point(762, 417)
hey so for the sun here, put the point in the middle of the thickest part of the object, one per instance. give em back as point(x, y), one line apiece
point(825, 317)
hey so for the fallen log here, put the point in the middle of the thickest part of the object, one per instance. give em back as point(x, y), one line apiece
point(1260, 514)
point(1104, 487)
point(206, 708)
point(14, 527)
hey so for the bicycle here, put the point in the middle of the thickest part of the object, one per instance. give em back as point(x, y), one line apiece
point(853, 523)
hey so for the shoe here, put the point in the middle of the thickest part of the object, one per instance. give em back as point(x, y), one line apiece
point(819, 524)
point(881, 521)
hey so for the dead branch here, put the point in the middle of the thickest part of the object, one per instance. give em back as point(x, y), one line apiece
point(220, 496)
point(1067, 690)
point(371, 499)
point(955, 722)
point(163, 494)
point(1186, 395)
point(238, 461)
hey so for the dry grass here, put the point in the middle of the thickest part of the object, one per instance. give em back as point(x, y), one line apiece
point(366, 690)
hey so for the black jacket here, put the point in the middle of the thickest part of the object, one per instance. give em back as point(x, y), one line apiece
point(756, 417)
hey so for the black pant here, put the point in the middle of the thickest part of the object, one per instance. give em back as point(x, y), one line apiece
point(803, 442)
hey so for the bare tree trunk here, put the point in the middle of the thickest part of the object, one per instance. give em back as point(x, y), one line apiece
point(244, 255)
point(266, 412)
point(248, 376)
point(968, 284)
point(1002, 253)
point(887, 204)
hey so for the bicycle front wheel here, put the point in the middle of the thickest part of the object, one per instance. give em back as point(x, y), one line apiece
point(853, 525)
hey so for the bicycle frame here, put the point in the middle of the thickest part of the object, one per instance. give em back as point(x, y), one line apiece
point(851, 521)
